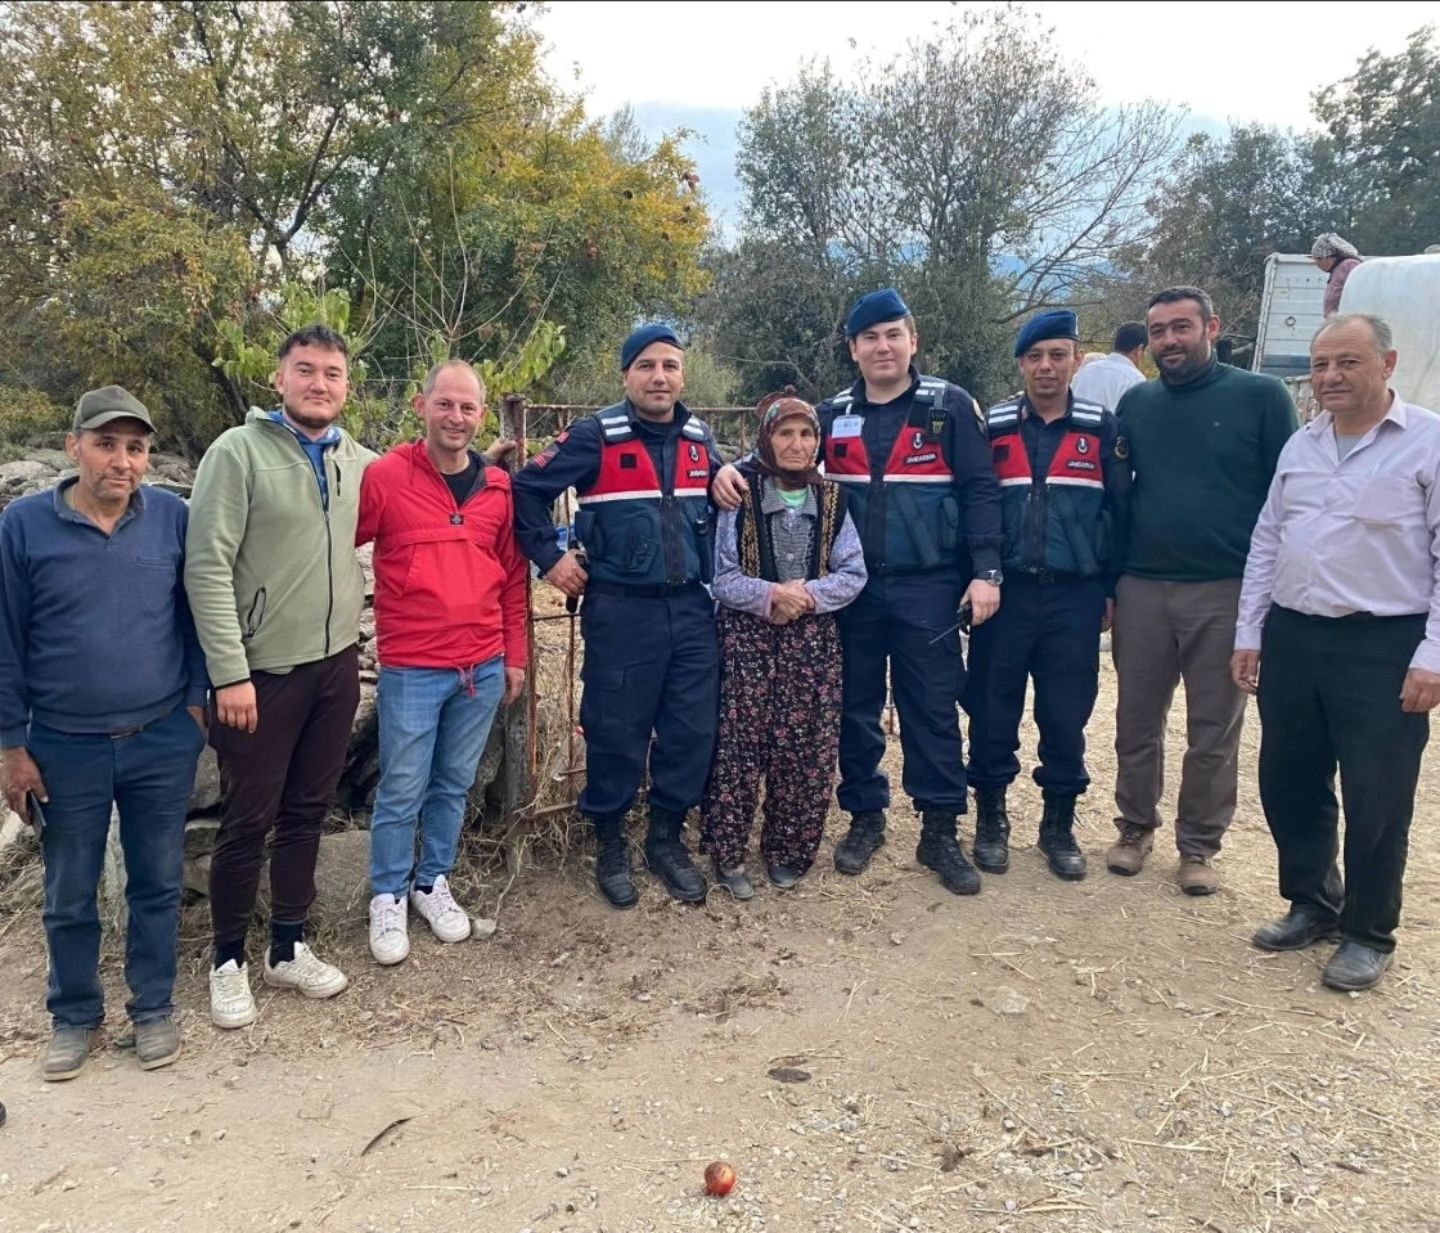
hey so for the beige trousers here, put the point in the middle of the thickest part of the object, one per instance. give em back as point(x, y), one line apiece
point(1166, 632)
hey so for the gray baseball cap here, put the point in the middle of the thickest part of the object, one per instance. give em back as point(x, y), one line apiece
point(110, 402)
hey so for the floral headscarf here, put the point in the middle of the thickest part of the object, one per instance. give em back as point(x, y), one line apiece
point(1332, 245)
point(775, 409)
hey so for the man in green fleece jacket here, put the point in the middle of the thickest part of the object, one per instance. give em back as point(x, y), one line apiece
point(1203, 441)
point(276, 593)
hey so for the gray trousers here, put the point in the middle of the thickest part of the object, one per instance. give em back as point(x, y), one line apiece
point(1166, 632)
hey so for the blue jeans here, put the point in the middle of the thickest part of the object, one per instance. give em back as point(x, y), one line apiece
point(434, 723)
point(148, 776)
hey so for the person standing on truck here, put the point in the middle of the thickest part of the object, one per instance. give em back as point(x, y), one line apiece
point(1065, 485)
point(642, 469)
point(1337, 257)
point(1339, 634)
point(911, 453)
point(1202, 440)
point(276, 591)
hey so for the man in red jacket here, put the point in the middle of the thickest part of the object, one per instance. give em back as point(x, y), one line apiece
point(450, 618)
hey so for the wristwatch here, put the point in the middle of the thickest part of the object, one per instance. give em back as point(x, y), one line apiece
point(993, 576)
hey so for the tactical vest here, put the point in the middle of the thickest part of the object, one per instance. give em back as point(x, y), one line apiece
point(1059, 524)
point(908, 516)
point(642, 529)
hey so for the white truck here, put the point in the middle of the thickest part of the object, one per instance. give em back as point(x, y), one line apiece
point(1404, 291)
point(1291, 311)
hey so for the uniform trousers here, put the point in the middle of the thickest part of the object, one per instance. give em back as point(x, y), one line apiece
point(908, 622)
point(1048, 631)
point(780, 726)
point(651, 691)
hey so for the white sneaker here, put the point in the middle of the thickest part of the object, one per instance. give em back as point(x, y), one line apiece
point(389, 938)
point(448, 920)
point(308, 973)
point(232, 1005)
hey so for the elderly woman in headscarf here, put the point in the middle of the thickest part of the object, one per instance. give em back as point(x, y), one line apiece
point(785, 561)
point(1337, 257)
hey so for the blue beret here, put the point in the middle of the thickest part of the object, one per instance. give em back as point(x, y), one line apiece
point(874, 308)
point(642, 338)
point(1057, 323)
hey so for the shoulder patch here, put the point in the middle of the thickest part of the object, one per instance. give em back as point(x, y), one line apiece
point(1002, 411)
point(1122, 447)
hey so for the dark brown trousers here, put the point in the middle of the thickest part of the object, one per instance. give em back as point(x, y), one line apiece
point(280, 777)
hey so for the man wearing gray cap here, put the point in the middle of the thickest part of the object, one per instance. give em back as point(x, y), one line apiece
point(102, 693)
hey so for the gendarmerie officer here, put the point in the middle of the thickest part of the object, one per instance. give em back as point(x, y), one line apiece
point(642, 469)
point(916, 468)
point(1065, 491)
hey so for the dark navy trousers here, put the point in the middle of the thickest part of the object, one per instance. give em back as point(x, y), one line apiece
point(1048, 632)
point(899, 620)
point(652, 666)
point(147, 776)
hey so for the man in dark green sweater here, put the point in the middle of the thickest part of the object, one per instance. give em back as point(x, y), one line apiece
point(1203, 441)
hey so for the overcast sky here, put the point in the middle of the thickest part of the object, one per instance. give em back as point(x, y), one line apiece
point(1241, 61)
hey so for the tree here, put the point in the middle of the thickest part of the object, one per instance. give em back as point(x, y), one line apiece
point(974, 171)
point(166, 167)
point(1382, 125)
point(1222, 209)
point(1372, 174)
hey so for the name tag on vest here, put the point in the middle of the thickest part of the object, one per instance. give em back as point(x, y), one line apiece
point(847, 425)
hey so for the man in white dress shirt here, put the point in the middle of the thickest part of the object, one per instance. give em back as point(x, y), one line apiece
point(1106, 379)
point(1339, 633)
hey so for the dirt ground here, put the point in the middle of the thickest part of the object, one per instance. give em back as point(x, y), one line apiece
point(871, 1054)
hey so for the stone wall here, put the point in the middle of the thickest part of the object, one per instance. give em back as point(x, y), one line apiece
point(44, 468)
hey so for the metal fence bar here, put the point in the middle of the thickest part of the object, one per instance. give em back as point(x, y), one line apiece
point(523, 421)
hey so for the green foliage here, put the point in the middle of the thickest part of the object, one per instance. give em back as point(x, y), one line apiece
point(29, 419)
point(526, 369)
point(1381, 151)
point(1225, 206)
point(976, 172)
point(246, 349)
point(1372, 174)
point(594, 379)
point(175, 176)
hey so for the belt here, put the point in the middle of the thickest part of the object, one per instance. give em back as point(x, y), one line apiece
point(124, 732)
point(660, 591)
point(1049, 577)
point(1350, 618)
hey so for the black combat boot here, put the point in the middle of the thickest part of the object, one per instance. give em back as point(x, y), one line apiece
point(1057, 838)
point(865, 837)
point(992, 830)
point(940, 850)
point(667, 856)
point(612, 863)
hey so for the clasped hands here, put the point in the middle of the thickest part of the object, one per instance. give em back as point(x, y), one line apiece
point(789, 601)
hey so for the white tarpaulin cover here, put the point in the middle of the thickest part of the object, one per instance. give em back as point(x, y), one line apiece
point(1405, 291)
